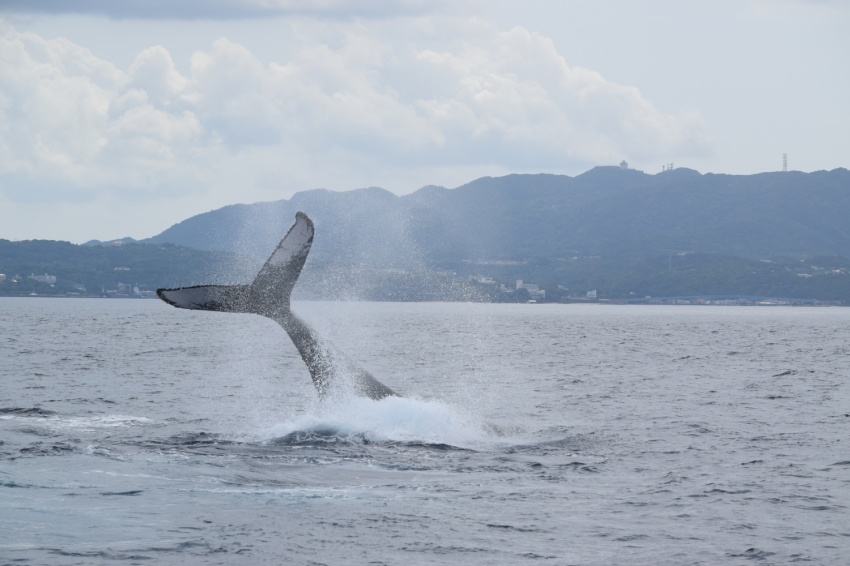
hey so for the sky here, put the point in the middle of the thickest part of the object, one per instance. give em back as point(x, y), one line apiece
point(124, 118)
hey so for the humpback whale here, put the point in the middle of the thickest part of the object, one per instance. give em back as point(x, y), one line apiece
point(268, 296)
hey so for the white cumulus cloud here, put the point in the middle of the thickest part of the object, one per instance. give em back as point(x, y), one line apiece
point(358, 96)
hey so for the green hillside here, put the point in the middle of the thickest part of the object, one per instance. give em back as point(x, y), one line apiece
point(30, 266)
point(619, 232)
point(607, 211)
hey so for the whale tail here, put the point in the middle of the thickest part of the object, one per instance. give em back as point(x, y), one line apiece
point(269, 296)
point(270, 292)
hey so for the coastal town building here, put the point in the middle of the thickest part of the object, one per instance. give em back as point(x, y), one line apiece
point(534, 290)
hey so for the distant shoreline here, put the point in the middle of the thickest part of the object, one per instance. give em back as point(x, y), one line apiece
point(660, 301)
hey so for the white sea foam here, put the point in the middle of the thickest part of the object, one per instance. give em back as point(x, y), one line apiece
point(98, 422)
point(392, 419)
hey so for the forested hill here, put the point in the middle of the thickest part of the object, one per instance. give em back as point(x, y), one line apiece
point(45, 267)
point(620, 232)
point(607, 211)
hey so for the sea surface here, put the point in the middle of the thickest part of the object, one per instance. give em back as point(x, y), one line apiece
point(135, 433)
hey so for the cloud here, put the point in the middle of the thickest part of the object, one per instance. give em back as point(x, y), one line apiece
point(348, 101)
point(155, 73)
point(514, 94)
point(55, 97)
point(78, 122)
point(232, 9)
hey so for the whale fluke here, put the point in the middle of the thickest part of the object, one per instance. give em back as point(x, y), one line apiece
point(269, 295)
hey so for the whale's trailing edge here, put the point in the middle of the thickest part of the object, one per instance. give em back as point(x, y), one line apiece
point(269, 296)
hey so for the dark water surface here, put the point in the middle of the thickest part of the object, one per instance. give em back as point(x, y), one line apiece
point(134, 433)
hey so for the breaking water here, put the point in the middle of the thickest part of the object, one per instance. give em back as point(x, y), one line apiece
point(132, 432)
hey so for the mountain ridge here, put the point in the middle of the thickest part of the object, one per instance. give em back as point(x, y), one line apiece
point(626, 234)
point(605, 211)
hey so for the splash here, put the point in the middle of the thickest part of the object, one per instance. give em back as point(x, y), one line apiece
point(392, 419)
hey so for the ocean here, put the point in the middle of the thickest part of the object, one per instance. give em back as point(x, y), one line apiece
point(135, 433)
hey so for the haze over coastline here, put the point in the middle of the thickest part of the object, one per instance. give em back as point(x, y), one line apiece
point(612, 233)
point(122, 119)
